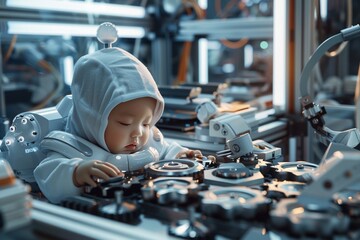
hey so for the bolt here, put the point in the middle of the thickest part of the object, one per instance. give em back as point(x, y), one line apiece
point(224, 132)
point(236, 148)
point(300, 166)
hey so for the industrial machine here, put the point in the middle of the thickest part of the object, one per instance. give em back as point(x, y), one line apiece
point(250, 192)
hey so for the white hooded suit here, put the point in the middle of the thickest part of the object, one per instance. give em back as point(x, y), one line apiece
point(101, 81)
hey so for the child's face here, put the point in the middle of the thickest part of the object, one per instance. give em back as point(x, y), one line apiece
point(128, 125)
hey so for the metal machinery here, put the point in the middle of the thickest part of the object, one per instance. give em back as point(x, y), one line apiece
point(182, 120)
point(180, 123)
point(250, 192)
point(249, 196)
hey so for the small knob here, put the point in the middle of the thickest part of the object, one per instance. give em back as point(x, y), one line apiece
point(107, 34)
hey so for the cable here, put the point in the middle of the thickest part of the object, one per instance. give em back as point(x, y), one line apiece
point(184, 58)
point(234, 45)
point(11, 48)
point(223, 14)
point(219, 12)
point(357, 101)
point(59, 84)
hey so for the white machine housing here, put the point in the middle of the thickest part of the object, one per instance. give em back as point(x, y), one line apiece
point(20, 145)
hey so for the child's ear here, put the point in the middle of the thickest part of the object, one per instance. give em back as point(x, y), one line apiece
point(157, 135)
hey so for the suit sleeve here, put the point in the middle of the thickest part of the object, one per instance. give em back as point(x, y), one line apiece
point(54, 175)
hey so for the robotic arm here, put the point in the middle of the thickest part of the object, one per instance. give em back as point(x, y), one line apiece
point(20, 146)
point(313, 112)
point(236, 131)
point(230, 126)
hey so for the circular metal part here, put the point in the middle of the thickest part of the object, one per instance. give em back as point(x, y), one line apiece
point(175, 168)
point(107, 33)
point(21, 146)
point(172, 165)
point(232, 171)
point(300, 171)
point(170, 190)
point(232, 174)
point(23, 129)
point(234, 203)
point(286, 189)
point(12, 128)
point(190, 230)
point(293, 217)
point(123, 212)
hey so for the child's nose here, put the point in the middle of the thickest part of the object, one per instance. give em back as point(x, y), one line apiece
point(137, 131)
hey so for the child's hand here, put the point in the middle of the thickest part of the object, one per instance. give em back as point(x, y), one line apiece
point(190, 154)
point(85, 172)
point(195, 155)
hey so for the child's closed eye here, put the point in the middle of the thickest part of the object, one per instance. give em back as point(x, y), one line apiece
point(124, 123)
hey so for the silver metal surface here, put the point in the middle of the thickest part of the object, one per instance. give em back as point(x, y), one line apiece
point(174, 168)
point(234, 203)
point(338, 173)
point(268, 130)
point(288, 189)
point(62, 223)
point(21, 143)
point(349, 201)
point(266, 151)
point(299, 220)
point(170, 190)
point(232, 174)
point(260, 27)
point(300, 171)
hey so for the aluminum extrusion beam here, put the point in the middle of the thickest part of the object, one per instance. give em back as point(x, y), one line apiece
point(234, 28)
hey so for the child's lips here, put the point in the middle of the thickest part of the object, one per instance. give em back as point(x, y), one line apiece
point(131, 147)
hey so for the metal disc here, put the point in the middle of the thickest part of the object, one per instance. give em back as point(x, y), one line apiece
point(175, 168)
point(233, 171)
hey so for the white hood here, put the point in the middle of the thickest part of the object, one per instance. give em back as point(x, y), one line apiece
point(101, 81)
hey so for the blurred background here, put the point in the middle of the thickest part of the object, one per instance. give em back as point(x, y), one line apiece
point(243, 43)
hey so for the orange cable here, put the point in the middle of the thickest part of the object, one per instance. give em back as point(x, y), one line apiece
point(11, 48)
